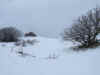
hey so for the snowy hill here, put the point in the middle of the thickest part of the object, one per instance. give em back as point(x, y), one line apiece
point(51, 57)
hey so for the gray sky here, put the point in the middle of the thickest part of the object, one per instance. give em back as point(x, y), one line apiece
point(45, 17)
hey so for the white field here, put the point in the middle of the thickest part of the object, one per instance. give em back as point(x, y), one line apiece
point(52, 57)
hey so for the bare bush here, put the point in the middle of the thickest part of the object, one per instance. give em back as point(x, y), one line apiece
point(9, 34)
point(24, 43)
point(31, 42)
point(52, 56)
point(85, 29)
point(30, 34)
point(18, 43)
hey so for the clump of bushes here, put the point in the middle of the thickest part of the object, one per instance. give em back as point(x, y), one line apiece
point(24, 43)
point(30, 34)
point(85, 29)
point(9, 34)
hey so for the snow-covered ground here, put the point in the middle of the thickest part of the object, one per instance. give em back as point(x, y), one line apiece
point(48, 57)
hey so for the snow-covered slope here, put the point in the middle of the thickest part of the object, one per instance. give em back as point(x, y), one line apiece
point(52, 57)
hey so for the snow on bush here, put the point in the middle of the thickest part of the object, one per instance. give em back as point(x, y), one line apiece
point(9, 34)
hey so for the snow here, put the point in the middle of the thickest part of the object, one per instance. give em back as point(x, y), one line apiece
point(53, 57)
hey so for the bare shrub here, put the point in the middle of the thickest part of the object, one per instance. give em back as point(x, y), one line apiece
point(18, 43)
point(9, 34)
point(85, 29)
point(30, 34)
point(52, 56)
point(31, 42)
point(24, 43)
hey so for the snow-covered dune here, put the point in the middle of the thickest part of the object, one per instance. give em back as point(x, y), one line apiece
point(51, 59)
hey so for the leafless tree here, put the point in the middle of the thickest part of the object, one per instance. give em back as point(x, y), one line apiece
point(85, 29)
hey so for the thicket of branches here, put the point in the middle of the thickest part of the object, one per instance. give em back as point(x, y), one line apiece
point(9, 34)
point(30, 34)
point(85, 29)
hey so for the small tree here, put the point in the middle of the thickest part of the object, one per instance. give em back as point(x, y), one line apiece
point(85, 29)
point(9, 34)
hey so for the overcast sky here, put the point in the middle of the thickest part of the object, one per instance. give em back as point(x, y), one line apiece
point(45, 17)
